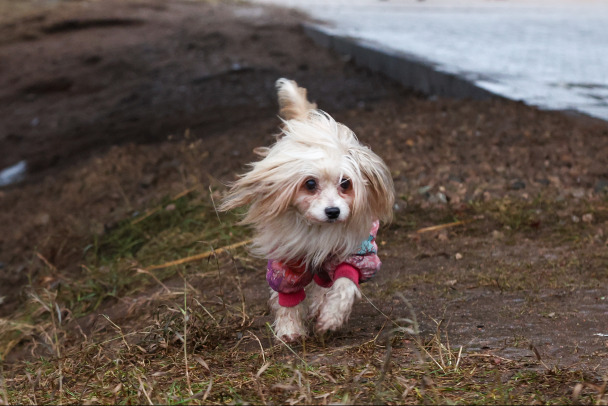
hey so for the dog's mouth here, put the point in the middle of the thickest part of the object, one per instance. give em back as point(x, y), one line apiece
point(314, 220)
point(332, 221)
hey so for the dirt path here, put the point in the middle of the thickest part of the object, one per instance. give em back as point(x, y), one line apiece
point(115, 104)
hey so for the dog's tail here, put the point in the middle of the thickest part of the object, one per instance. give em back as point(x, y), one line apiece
point(293, 103)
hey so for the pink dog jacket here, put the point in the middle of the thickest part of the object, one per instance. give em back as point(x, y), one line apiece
point(291, 279)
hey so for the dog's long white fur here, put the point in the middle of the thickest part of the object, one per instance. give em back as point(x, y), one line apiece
point(288, 321)
point(312, 143)
point(337, 305)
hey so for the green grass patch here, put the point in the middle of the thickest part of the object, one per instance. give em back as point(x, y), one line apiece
point(174, 229)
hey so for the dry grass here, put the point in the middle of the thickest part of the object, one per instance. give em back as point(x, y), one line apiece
point(188, 333)
point(191, 354)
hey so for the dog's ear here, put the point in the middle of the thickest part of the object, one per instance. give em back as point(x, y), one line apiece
point(261, 151)
point(379, 183)
point(293, 103)
point(267, 191)
point(239, 195)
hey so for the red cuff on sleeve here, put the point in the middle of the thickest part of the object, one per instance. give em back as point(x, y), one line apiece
point(345, 270)
point(291, 299)
point(324, 282)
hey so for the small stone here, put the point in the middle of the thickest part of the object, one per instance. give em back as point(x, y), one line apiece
point(578, 192)
point(518, 185)
point(458, 256)
point(555, 181)
point(498, 235)
point(587, 218)
point(576, 219)
point(42, 219)
point(147, 180)
point(599, 235)
point(543, 181)
point(601, 186)
point(456, 178)
point(170, 207)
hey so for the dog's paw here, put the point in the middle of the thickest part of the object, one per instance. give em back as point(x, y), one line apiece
point(291, 338)
point(288, 321)
point(288, 324)
point(328, 322)
point(337, 305)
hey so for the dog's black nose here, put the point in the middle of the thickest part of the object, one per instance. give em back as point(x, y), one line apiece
point(332, 213)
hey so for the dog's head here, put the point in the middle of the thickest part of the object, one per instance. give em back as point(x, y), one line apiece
point(331, 176)
point(317, 171)
point(317, 167)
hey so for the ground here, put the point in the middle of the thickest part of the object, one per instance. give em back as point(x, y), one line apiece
point(133, 116)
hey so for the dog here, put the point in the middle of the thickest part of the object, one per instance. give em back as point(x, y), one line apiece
point(314, 200)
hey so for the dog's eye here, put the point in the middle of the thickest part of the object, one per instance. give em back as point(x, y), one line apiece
point(345, 184)
point(311, 184)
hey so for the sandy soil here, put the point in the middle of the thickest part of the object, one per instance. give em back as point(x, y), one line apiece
point(113, 104)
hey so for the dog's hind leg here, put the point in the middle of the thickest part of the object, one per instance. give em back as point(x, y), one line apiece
point(337, 305)
point(288, 321)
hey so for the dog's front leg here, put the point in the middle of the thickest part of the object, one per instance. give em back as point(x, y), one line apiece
point(288, 321)
point(316, 297)
point(337, 305)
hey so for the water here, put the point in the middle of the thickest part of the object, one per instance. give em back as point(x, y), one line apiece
point(551, 54)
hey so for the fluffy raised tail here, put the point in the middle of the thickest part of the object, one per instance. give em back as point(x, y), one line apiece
point(292, 100)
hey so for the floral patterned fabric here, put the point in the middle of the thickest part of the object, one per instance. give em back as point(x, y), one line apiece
point(293, 278)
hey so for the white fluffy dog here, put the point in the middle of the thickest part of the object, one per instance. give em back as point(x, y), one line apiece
point(313, 198)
